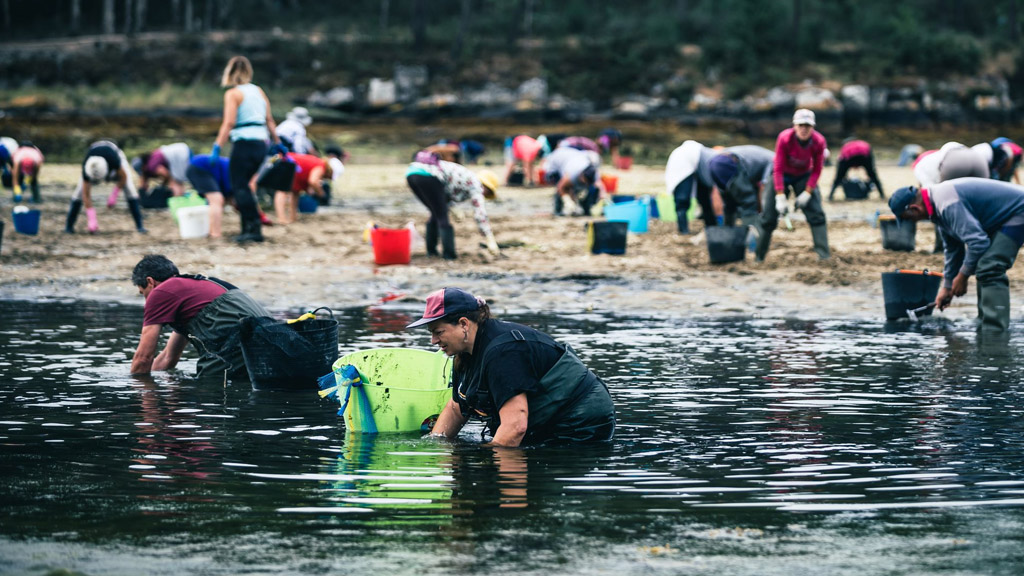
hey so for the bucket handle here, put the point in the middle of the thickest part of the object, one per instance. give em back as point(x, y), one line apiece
point(311, 315)
point(924, 272)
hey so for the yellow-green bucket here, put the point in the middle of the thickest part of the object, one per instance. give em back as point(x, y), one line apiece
point(666, 207)
point(405, 387)
point(175, 203)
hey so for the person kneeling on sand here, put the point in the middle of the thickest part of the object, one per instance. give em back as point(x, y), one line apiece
point(527, 387)
point(982, 226)
point(104, 162)
point(206, 311)
point(310, 172)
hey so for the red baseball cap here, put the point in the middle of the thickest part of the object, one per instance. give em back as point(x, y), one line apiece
point(446, 302)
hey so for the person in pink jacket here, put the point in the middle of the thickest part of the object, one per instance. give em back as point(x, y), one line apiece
point(799, 156)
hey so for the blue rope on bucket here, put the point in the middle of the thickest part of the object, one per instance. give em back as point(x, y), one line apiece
point(349, 377)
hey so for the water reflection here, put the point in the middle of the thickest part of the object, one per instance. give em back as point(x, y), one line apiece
point(730, 433)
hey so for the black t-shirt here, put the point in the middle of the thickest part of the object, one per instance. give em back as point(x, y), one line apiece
point(108, 153)
point(513, 368)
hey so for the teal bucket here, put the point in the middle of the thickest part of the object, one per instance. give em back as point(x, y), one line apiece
point(635, 213)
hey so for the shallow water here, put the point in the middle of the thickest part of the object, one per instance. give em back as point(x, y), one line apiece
point(744, 447)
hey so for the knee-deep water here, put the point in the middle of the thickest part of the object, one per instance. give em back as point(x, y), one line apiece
point(744, 446)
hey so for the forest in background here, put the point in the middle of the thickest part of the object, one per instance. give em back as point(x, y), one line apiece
point(584, 48)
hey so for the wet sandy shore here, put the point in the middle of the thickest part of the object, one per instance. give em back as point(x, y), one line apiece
point(322, 260)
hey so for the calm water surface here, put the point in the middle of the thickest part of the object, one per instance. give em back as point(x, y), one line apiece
point(744, 447)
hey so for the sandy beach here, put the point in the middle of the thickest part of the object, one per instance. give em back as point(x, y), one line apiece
point(323, 260)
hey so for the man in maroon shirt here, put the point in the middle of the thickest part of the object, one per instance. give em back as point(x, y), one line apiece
point(799, 155)
point(206, 311)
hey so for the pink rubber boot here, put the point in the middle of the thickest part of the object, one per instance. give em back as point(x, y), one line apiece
point(112, 199)
point(94, 224)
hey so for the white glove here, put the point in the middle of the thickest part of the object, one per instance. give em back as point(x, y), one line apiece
point(781, 206)
point(803, 199)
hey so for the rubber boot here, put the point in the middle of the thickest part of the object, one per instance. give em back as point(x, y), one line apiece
point(993, 285)
point(112, 198)
point(447, 242)
point(36, 196)
point(819, 235)
point(136, 210)
point(559, 204)
point(73, 210)
point(93, 223)
point(763, 243)
point(430, 236)
point(252, 231)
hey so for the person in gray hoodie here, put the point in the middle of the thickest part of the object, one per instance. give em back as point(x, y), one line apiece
point(982, 225)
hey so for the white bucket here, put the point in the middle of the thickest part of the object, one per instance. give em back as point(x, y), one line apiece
point(194, 222)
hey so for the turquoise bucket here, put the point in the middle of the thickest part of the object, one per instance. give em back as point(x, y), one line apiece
point(635, 213)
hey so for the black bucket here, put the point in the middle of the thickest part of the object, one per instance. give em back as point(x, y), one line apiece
point(282, 356)
point(898, 237)
point(908, 290)
point(156, 198)
point(726, 243)
point(855, 189)
point(607, 237)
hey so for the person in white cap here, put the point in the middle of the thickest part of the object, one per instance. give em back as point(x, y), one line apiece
point(292, 131)
point(799, 157)
point(104, 162)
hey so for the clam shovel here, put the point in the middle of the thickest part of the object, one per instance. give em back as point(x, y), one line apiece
point(912, 314)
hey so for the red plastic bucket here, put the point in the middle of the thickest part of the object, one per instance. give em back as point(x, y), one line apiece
point(611, 182)
point(624, 162)
point(391, 246)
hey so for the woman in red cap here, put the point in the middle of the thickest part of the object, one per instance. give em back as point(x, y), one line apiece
point(527, 387)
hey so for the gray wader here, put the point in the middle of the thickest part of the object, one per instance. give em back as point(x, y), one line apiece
point(214, 332)
point(572, 403)
point(994, 285)
point(813, 211)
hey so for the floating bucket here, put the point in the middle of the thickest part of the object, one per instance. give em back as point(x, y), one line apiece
point(607, 237)
point(726, 243)
point(26, 222)
point(666, 207)
point(855, 189)
point(635, 213)
point(405, 388)
point(391, 246)
point(178, 202)
point(194, 222)
point(611, 182)
point(908, 290)
point(624, 162)
point(308, 204)
point(898, 237)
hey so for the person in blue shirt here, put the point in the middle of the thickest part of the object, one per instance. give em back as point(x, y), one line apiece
point(212, 180)
point(982, 226)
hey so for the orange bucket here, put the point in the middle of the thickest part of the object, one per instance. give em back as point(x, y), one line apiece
point(611, 182)
point(391, 246)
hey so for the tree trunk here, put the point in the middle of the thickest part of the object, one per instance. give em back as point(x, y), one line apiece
point(794, 53)
point(128, 13)
point(108, 16)
point(528, 18)
point(76, 16)
point(208, 16)
point(189, 15)
point(419, 24)
point(463, 28)
point(385, 7)
point(140, 15)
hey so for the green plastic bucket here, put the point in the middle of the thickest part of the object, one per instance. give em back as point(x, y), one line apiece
point(666, 207)
point(405, 387)
point(177, 202)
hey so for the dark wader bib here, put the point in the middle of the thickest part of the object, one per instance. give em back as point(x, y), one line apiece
point(214, 332)
point(572, 402)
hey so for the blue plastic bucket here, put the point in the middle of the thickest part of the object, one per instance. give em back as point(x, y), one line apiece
point(635, 213)
point(308, 204)
point(26, 222)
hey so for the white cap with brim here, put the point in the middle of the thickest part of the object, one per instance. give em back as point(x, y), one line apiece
point(300, 114)
point(337, 168)
point(95, 168)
